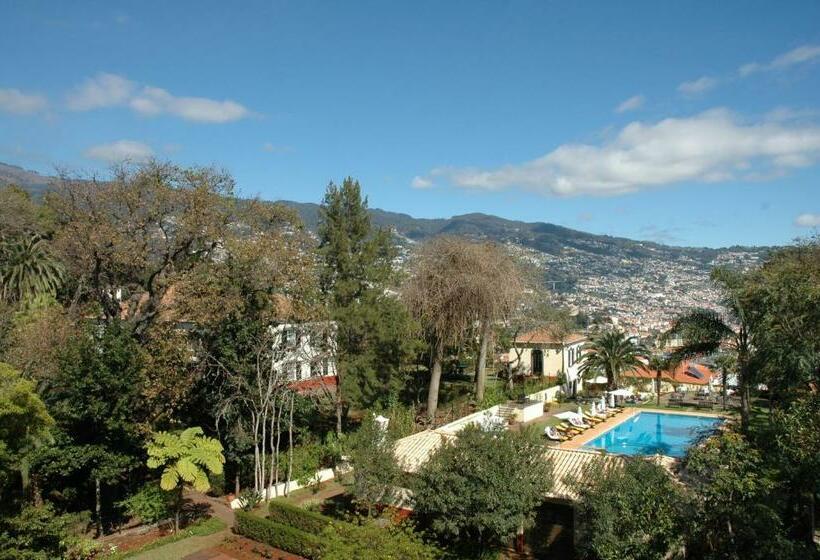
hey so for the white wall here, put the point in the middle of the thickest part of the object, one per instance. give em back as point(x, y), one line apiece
point(299, 353)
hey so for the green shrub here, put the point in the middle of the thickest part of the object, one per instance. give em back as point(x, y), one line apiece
point(300, 518)
point(278, 535)
point(303, 519)
point(150, 504)
point(217, 482)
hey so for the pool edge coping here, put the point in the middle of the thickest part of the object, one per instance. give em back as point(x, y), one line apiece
point(582, 439)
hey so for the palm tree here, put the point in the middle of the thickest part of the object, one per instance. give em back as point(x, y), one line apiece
point(704, 332)
point(659, 363)
point(28, 269)
point(726, 363)
point(186, 458)
point(611, 353)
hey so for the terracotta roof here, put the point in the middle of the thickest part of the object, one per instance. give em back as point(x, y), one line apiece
point(569, 462)
point(314, 383)
point(413, 451)
point(543, 336)
point(687, 372)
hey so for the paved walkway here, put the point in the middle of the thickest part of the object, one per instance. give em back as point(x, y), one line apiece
point(187, 549)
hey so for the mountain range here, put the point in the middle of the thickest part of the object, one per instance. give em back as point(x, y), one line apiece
point(539, 236)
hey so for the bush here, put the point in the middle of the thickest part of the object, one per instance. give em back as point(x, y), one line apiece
point(300, 518)
point(278, 535)
point(217, 482)
point(376, 543)
point(150, 504)
point(305, 520)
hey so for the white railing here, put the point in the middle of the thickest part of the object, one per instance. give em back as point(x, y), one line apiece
point(546, 395)
point(291, 485)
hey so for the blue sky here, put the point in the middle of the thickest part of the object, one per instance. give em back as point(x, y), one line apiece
point(690, 123)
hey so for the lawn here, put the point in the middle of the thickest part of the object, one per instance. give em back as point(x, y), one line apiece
point(200, 535)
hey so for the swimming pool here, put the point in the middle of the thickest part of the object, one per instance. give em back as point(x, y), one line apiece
point(648, 433)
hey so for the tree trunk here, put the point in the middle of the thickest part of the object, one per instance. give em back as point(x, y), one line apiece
point(236, 484)
point(724, 389)
point(278, 441)
point(290, 447)
point(98, 505)
point(658, 387)
point(177, 509)
point(435, 381)
point(339, 400)
point(481, 368)
point(745, 408)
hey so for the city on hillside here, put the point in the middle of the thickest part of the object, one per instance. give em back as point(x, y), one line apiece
point(409, 280)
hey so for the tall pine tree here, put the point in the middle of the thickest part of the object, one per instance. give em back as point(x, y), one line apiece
point(372, 328)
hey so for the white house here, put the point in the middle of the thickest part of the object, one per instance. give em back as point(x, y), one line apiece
point(305, 350)
point(540, 353)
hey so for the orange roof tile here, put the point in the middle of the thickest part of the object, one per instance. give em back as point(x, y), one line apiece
point(682, 374)
point(544, 336)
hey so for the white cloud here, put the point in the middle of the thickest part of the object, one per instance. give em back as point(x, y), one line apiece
point(696, 87)
point(119, 151)
point(713, 146)
point(419, 182)
point(155, 101)
point(103, 90)
point(631, 104)
point(110, 90)
point(807, 220)
point(16, 102)
point(800, 55)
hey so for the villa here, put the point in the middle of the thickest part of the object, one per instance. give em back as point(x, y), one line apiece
point(539, 353)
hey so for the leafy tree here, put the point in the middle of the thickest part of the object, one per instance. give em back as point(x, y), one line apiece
point(372, 328)
point(629, 510)
point(24, 423)
point(611, 353)
point(37, 338)
point(482, 490)
point(28, 269)
point(795, 435)
point(734, 516)
point(96, 401)
point(185, 458)
point(786, 291)
point(150, 503)
point(38, 533)
point(377, 543)
point(129, 239)
point(374, 466)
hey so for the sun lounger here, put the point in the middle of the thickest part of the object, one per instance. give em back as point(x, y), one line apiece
point(594, 419)
point(568, 429)
point(578, 423)
point(554, 434)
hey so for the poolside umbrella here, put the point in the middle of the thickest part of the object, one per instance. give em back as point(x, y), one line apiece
point(580, 411)
point(603, 402)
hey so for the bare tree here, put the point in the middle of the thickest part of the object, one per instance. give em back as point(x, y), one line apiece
point(501, 286)
point(447, 292)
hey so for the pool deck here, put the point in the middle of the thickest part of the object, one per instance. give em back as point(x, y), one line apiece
point(629, 412)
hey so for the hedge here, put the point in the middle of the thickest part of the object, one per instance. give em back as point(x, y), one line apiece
point(278, 535)
point(295, 516)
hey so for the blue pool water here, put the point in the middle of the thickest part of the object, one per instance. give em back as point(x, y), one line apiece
point(648, 433)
